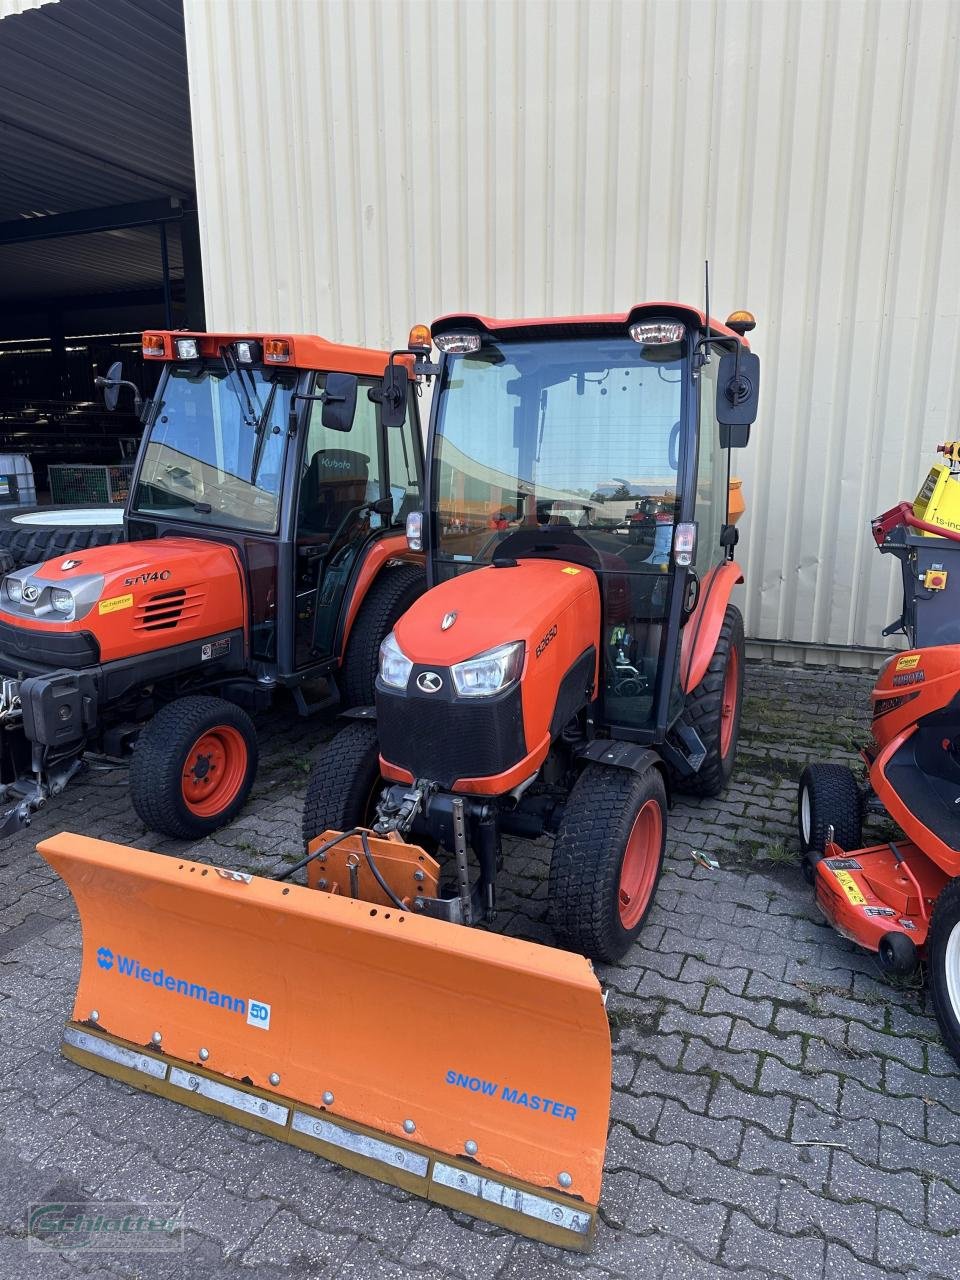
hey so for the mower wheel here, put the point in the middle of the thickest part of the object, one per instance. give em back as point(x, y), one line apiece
point(344, 782)
point(828, 796)
point(943, 964)
point(193, 766)
point(390, 596)
point(33, 534)
point(607, 859)
point(713, 709)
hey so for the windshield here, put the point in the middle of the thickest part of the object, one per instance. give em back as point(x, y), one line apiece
point(215, 447)
point(544, 445)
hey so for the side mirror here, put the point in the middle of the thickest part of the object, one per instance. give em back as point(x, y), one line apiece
point(738, 397)
point(111, 385)
point(393, 406)
point(339, 401)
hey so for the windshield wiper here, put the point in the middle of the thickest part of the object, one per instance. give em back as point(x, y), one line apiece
point(248, 413)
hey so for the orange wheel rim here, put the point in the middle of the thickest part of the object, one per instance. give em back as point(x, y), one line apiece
point(728, 707)
point(641, 861)
point(214, 772)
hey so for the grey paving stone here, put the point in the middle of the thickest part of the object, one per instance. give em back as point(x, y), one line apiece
point(818, 1086)
point(741, 1065)
point(679, 1125)
point(768, 1110)
point(710, 1180)
point(905, 1247)
point(853, 1225)
point(851, 1179)
point(859, 1137)
point(786, 1047)
point(750, 1246)
point(785, 1159)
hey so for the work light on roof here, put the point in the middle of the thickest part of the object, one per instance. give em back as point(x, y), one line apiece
point(245, 353)
point(656, 333)
point(458, 344)
point(188, 349)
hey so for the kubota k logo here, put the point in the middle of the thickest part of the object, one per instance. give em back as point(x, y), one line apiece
point(429, 682)
point(31, 593)
point(105, 958)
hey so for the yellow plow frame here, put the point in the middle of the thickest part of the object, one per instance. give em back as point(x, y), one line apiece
point(467, 1067)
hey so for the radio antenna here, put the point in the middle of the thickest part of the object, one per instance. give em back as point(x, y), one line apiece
point(706, 304)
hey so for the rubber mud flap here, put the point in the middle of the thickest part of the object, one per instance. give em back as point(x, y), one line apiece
point(470, 1068)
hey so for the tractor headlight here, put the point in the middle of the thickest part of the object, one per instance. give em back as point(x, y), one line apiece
point(14, 589)
point(61, 600)
point(489, 672)
point(395, 666)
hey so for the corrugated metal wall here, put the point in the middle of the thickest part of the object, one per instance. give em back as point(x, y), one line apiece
point(364, 165)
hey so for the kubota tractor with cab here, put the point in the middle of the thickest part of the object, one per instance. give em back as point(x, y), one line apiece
point(557, 676)
point(264, 549)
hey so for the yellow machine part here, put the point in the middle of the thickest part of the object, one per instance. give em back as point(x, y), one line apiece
point(938, 501)
point(470, 1068)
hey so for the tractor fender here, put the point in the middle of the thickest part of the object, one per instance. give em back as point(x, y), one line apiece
point(375, 557)
point(702, 631)
point(625, 755)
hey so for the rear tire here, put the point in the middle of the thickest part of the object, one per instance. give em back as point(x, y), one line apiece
point(33, 543)
point(607, 859)
point(390, 596)
point(193, 766)
point(713, 708)
point(943, 964)
point(343, 783)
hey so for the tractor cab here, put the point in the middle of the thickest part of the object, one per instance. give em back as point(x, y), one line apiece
point(604, 443)
point(275, 445)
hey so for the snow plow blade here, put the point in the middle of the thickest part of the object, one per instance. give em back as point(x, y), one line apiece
point(469, 1068)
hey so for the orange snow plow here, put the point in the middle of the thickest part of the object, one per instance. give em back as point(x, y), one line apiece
point(469, 1068)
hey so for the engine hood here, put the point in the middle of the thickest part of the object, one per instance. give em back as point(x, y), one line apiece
point(492, 606)
point(133, 597)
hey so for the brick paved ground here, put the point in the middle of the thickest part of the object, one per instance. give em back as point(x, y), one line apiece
point(779, 1108)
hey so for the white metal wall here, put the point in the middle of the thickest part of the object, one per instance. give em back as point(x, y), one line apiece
point(364, 165)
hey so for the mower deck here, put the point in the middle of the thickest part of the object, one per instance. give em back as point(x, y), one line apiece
point(881, 889)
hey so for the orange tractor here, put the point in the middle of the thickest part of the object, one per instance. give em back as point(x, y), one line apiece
point(557, 677)
point(264, 550)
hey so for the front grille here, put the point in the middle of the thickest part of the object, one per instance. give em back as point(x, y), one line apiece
point(445, 739)
point(24, 649)
point(167, 609)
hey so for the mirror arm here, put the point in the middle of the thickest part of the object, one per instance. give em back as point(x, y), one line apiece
point(122, 382)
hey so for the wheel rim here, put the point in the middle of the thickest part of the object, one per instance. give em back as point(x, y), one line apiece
point(641, 860)
point(951, 969)
point(214, 771)
point(805, 823)
point(728, 707)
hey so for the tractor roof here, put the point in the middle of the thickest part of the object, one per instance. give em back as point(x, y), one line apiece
point(580, 326)
point(307, 351)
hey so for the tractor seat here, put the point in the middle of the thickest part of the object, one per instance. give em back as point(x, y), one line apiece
point(333, 485)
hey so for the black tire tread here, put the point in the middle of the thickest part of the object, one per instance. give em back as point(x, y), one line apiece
point(157, 764)
point(341, 781)
point(32, 544)
point(390, 596)
point(703, 710)
point(587, 853)
point(946, 913)
point(834, 801)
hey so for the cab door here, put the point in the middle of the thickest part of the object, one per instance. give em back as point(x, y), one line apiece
point(343, 473)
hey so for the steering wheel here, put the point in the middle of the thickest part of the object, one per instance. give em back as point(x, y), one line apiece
point(673, 447)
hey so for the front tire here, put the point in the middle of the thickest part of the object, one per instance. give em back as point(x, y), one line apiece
point(607, 859)
point(193, 766)
point(713, 709)
point(344, 782)
point(828, 796)
point(943, 963)
point(388, 599)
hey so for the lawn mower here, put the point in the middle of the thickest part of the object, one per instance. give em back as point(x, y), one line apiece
point(900, 899)
point(264, 550)
point(556, 677)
